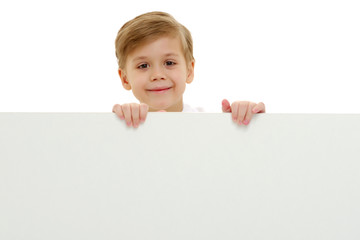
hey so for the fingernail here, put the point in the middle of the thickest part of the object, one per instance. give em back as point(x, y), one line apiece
point(128, 123)
point(246, 122)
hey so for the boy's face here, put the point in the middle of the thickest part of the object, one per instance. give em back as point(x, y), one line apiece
point(157, 73)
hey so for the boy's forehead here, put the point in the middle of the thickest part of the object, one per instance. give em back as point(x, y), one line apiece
point(163, 46)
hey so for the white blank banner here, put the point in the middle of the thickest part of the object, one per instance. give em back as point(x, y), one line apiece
point(179, 176)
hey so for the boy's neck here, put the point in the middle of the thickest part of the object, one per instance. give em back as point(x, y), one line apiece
point(174, 108)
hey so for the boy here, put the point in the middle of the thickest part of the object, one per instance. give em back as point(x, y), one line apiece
point(155, 58)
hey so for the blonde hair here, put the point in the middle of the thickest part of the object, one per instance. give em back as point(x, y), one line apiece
point(148, 27)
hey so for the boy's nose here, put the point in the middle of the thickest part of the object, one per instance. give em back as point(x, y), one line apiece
point(157, 74)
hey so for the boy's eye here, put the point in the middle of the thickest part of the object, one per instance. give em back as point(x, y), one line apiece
point(169, 63)
point(144, 65)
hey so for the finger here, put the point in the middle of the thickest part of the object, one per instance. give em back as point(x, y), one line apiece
point(248, 114)
point(135, 114)
point(161, 111)
point(234, 111)
point(243, 107)
point(114, 107)
point(127, 113)
point(259, 108)
point(144, 108)
point(118, 111)
point(226, 106)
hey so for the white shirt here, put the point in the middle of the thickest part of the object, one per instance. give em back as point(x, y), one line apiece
point(188, 108)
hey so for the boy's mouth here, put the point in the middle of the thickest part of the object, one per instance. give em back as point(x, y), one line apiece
point(159, 89)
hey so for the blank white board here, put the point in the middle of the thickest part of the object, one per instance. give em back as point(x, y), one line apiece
point(179, 176)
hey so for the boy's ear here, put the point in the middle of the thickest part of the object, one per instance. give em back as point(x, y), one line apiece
point(190, 76)
point(124, 79)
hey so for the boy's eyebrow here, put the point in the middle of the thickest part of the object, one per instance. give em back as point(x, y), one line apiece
point(144, 57)
point(171, 55)
point(139, 58)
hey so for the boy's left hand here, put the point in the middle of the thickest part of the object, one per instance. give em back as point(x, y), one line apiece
point(242, 111)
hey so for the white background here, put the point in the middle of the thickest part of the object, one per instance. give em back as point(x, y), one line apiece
point(295, 56)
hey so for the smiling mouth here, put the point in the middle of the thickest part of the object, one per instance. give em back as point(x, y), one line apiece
point(159, 90)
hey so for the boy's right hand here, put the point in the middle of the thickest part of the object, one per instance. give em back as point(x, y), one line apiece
point(132, 113)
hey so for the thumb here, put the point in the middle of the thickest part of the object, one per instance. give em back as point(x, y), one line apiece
point(226, 106)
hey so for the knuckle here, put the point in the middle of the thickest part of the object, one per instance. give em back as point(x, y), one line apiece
point(125, 106)
point(144, 106)
point(116, 108)
point(244, 104)
point(135, 107)
point(133, 104)
point(261, 105)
